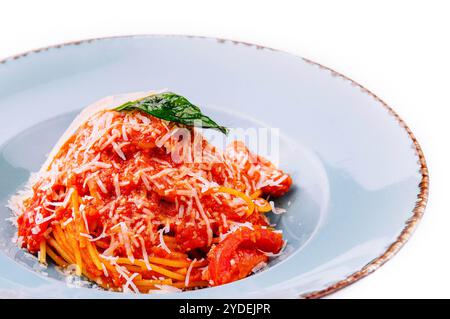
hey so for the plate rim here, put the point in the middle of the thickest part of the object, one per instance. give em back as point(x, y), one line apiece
point(422, 196)
point(417, 212)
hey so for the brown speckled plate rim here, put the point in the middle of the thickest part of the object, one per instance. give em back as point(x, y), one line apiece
point(422, 196)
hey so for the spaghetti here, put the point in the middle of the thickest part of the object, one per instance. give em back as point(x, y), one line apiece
point(114, 203)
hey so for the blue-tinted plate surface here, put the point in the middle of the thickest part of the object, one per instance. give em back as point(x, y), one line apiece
point(360, 177)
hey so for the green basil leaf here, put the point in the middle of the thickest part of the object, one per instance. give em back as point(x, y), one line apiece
point(172, 107)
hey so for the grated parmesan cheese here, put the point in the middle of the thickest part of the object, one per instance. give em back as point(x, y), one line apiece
point(162, 243)
point(276, 210)
point(188, 273)
point(119, 151)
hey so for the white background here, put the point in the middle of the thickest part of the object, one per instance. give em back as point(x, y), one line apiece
point(398, 49)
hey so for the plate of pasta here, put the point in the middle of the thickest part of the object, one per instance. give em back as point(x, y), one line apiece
point(189, 167)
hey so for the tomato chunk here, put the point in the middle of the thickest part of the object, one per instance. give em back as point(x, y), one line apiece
point(191, 236)
point(236, 256)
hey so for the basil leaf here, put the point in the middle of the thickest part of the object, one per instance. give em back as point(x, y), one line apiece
point(172, 107)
